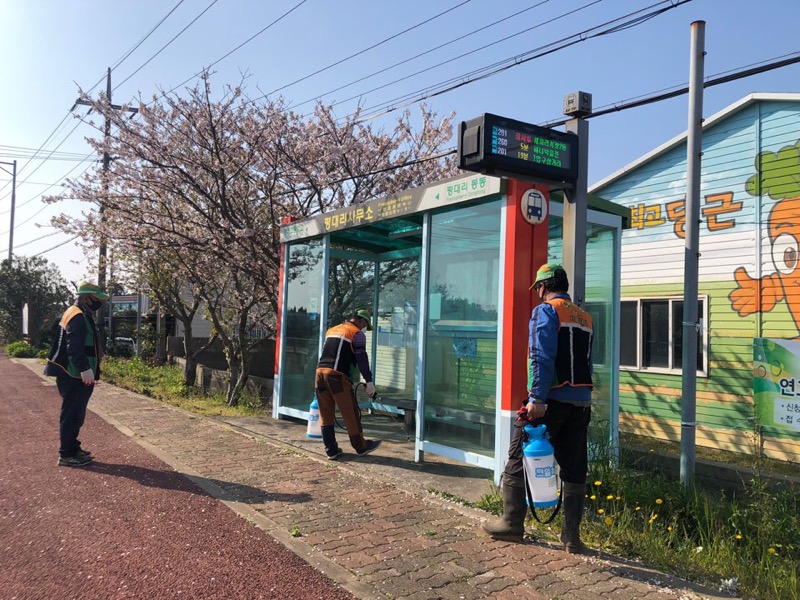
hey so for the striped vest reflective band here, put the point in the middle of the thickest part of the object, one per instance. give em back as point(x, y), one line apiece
point(337, 351)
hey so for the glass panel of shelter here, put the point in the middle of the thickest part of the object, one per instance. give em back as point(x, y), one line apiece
point(601, 248)
point(461, 331)
point(301, 324)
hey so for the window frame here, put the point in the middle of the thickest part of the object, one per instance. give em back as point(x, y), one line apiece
point(674, 370)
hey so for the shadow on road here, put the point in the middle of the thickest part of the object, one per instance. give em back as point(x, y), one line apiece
point(193, 484)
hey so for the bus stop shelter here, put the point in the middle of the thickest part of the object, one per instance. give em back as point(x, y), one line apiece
point(446, 270)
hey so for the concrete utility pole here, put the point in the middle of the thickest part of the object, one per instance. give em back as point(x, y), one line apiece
point(694, 151)
point(13, 205)
point(102, 259)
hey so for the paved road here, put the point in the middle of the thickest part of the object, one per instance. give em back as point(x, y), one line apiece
point(127, 527)
point(366, 523)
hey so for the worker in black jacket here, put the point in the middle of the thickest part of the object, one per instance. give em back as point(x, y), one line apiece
point(74, 360)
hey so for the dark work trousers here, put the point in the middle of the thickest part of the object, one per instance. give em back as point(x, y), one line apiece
point(74, 399)
point(334, 389)
point(567, 427)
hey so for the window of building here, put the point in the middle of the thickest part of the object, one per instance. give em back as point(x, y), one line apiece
point(651, 335)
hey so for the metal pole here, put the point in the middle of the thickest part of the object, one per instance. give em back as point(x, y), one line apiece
point(574, 219)
point(691, 254)
point(13, 204)
point(139, 323)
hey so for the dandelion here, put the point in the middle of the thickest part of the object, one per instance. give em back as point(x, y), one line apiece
point(608, 521)
point(601, 511)
point(610, 497)
point(592, 497)
point(598, 482)
point(659, 501)
point(619, 497)
point(638, 508)
point(738, 536)
point(669, 528)
point(771, 550)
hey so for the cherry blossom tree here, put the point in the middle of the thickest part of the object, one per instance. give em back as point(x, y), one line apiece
point(201, 184)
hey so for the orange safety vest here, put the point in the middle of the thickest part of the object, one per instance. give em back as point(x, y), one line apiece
point(337, 351)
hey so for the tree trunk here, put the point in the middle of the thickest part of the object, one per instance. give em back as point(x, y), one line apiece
point(190, 371)
point(234, 392)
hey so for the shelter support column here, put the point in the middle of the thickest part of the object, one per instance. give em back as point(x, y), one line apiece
point(524, 250)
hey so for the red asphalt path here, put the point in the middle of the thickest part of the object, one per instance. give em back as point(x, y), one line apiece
point(126, 527)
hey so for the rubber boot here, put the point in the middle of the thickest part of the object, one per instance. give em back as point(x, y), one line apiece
point(329, 439)
point(572, 505)
point(511, 526)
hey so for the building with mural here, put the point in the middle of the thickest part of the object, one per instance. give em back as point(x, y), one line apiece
point(749, 282)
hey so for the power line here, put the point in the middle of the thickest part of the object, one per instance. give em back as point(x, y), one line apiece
point(514, 61)
point(725, 77)
point(367, 49)
point(47, 235)
point(52, 185)
point(247, 41)
point(141, 41)
point(416, 56)
point(66, 116)
point(52, 133)
point(465, 54)
point(164, 47)
point(39, 166)
point(72, 239)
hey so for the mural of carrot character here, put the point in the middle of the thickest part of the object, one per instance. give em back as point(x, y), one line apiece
point(779, 177)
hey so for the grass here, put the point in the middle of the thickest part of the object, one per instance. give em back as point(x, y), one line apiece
point(165, 383)
point(747, 461)
point(747, 544)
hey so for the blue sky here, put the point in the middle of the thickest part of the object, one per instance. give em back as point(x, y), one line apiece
point(50, 48)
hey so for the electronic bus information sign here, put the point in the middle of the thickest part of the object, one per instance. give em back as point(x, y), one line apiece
point(499, 146)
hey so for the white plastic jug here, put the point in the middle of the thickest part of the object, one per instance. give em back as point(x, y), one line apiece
point(314, 429)
point(541, 469)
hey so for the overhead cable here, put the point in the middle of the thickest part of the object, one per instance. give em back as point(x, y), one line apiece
point(368, 48)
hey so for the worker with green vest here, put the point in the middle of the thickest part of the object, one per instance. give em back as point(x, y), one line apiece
point(74, 360)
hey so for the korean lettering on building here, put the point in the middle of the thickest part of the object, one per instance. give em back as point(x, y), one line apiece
point(463, 187)
point(353, 216)
point(788, 412)
point(718, 212)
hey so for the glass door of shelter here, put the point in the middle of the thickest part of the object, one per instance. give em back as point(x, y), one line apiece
point(397, 337)
point(460, 357)
point(299, 344)
point(602, 302)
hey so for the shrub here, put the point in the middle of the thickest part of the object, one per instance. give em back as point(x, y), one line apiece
point(21, 350)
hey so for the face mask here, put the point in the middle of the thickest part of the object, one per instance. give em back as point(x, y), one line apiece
point(94, 304)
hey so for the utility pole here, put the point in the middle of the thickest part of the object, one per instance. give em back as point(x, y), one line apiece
point(694, 150)
point(13, 205)
point(577, 105)
point(103, 251)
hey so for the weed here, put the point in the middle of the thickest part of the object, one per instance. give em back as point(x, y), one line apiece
point(165, 383)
